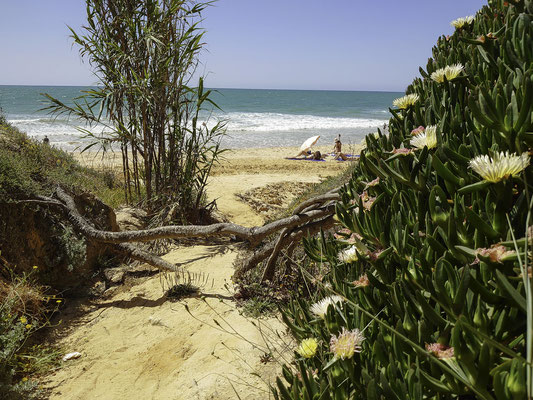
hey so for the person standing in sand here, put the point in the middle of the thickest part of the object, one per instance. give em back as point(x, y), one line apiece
point(337, 149)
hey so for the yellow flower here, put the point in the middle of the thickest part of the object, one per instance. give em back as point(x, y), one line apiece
point(450, 72)
point(428, 138)
point(23, 320)
point(28, 326)
point(35, 267)
point(307, 348)
point(461, 22)
point(24, 379)
point(501, 166)
point(58, 301)
point(406, 101)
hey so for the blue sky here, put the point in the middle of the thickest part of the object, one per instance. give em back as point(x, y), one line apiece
point(274, 44)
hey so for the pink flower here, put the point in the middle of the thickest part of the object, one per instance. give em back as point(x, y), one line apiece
point(342, 233)
point(346, 344)
point(403, 151)
point(343, 236)
point(374, 255)
point(367, 201)
point(496, 253)
point(372, 183)
point(441, 351)
point(418, 130)
point(362, 281)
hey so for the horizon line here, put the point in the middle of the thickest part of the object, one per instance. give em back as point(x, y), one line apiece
point(233, 88)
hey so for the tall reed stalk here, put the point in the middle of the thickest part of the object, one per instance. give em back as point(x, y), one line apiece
point(144, 55)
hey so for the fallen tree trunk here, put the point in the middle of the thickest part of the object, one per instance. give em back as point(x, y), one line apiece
point(308, 218)
point(253, 235)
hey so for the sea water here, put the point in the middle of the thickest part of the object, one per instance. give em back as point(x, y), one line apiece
point(254, 117)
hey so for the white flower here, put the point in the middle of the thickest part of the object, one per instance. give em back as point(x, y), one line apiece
point(450, 72)
point(346, 344)
point(428, 138)
point(348, 255)
point(500, 166)
point(321, 308)
point(406, 101)
point(460, 22)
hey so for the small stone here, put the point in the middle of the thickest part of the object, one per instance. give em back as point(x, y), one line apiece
point(98, 288)
point(114, 275)
point(71, 356)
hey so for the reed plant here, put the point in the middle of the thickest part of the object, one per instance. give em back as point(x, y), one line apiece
point(145, 55)
point(428, 287)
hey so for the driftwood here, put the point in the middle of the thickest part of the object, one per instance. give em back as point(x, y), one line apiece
point(308, 218)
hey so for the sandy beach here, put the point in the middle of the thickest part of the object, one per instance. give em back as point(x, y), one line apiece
point(137, 344)
point(247, 169)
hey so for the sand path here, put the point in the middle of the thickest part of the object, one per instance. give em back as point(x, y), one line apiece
point(135, 344)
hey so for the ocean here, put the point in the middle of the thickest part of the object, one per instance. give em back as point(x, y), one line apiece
point(255, 117)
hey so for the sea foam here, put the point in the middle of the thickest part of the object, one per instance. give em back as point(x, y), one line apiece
point(268, 122)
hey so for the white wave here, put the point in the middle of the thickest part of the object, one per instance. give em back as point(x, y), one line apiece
point(244, 129)
point(270, 122)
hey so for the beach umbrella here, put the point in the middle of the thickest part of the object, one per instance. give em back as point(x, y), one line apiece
point(309, 142)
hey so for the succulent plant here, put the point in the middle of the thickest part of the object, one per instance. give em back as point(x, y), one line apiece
point(440, 287)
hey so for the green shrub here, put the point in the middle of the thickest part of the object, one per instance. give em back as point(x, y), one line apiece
point(22, 312)
point(427, 269)
point(28, 168)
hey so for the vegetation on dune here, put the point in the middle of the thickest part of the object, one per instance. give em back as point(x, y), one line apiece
point(24, 309)
point(428, 289)
point(28, 170)
point(144, 56)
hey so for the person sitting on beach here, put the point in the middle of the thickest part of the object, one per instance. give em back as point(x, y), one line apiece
point(337, 150)
point(304, 153)
point(46, 140)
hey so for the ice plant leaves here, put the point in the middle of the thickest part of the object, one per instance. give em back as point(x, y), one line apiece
point(444, 308)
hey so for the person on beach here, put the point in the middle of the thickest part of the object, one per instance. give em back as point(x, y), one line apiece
point(337, 149)
point(46, 141)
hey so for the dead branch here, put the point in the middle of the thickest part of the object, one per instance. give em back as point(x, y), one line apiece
point(269, 270)
point(143, 256)
point(308, 218)
point(254, 235)
point(297, 234)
